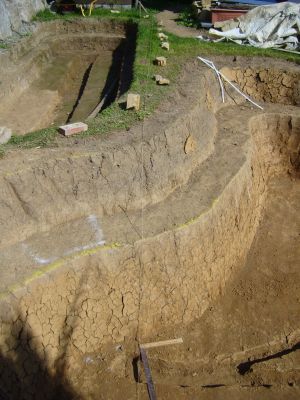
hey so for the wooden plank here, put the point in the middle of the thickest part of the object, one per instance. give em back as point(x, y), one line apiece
point(150, 384)
point(161, 343)
point(101, 104)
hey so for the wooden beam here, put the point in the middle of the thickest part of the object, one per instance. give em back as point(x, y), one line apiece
point(162, 343)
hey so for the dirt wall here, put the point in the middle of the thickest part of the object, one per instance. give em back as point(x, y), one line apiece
point(271, 85)
point(104, 295)
point(107, 178)
point(132, 291)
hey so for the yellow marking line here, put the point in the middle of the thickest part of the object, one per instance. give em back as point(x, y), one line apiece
point(53, 266)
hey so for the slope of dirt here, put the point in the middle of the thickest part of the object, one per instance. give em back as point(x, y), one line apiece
point(250, 337)
point(246, 345)
point(185, 227)
point(45, 76)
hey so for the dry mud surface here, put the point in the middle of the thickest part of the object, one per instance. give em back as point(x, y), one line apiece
point(186, 227)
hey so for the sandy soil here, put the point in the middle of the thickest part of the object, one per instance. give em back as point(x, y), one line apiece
point(246, 345)
point(233, 299)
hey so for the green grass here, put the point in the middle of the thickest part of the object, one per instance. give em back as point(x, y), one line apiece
point(41, 138)
point(3, 45)
point(116, 117)
point(186, 18)
point(46, 15)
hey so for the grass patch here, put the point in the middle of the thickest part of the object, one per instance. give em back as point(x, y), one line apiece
point(41, 138)
point(115, 117)
point(3, 45)
point(186, 18)
point(2, 152)
point(47, 15)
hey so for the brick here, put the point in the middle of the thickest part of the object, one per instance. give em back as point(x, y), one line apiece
point(72, 129)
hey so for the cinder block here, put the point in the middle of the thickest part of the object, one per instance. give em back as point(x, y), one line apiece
point(72, 129)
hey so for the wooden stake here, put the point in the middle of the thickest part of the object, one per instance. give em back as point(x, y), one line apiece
point(101, 104)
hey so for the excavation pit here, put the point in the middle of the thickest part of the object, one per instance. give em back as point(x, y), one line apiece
point(215, 244)
point(267, 84)
point(61, 73)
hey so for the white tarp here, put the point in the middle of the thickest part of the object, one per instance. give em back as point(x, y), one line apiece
point(276, 25)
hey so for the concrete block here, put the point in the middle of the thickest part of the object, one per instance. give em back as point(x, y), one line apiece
point(157, 77)
point(161, 61)
point(163, 81)
point(5, 134)
point(160, 80)
point(72, 129)
point(162, 36)
point(133, 101)
point(165, 45)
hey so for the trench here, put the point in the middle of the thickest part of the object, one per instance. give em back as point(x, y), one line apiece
point(217, 264)
point(65, 75)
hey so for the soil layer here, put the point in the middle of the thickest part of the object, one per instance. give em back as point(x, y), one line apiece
point(187, 226)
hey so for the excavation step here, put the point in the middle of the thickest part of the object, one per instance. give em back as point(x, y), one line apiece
point(20, 118)
point(184, 205)
point(60, 72)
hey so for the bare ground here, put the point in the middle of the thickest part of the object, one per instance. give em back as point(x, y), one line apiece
point(239, 322)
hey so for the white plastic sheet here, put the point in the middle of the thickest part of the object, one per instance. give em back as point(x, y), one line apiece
point(271, 26)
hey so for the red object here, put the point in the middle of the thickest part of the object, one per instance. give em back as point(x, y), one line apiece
point(222, 14)
point(72, 129)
